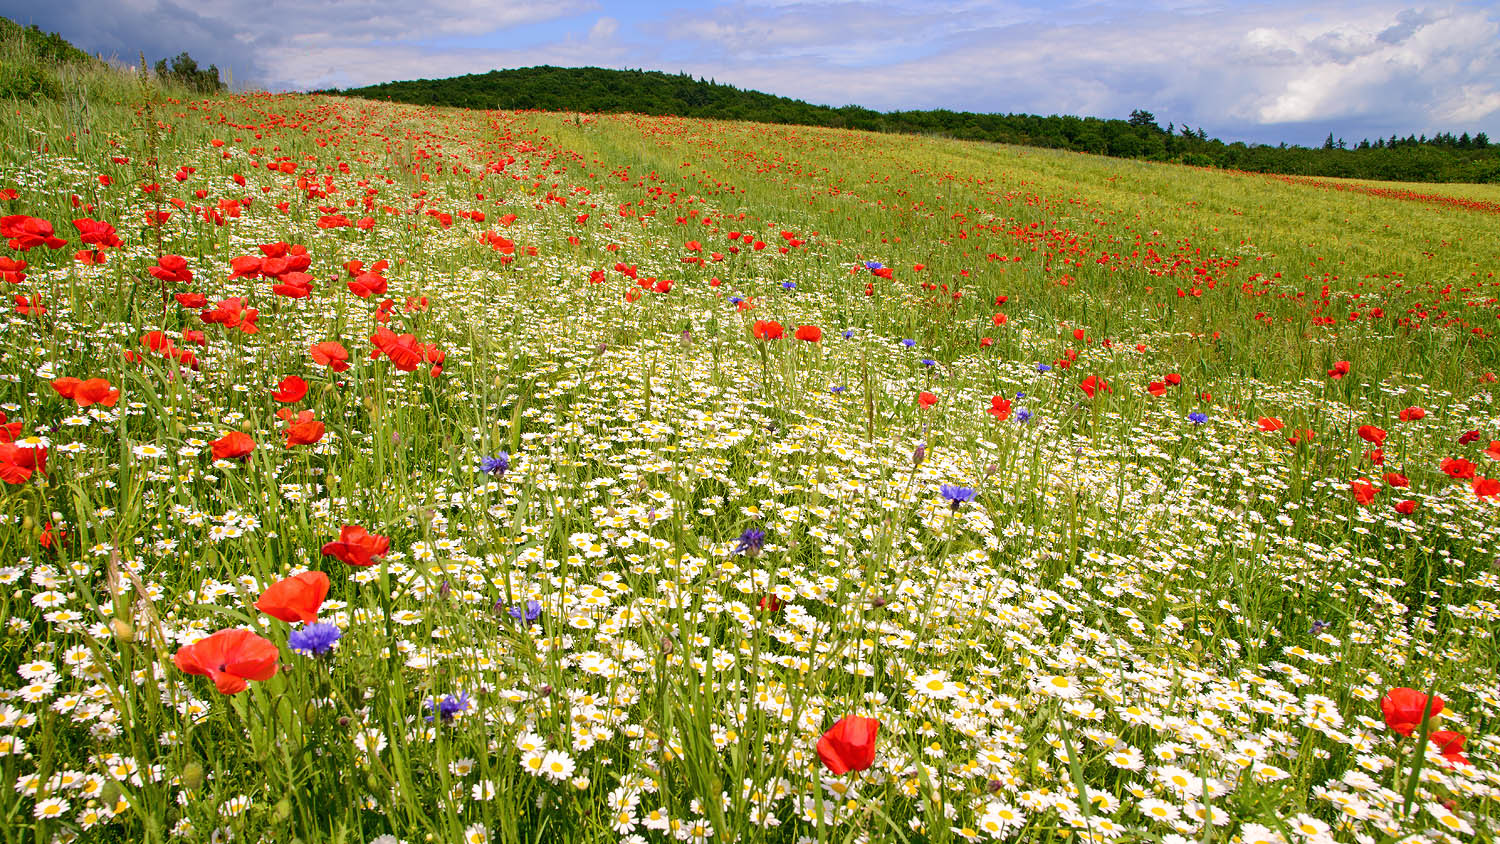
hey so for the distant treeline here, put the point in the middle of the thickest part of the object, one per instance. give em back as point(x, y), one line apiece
point(1443, 158)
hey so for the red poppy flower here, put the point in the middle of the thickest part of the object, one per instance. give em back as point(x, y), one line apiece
point(190, 300)
point(1403, 709)
point(26, 307)
point(18, 463)
point(1412, 414)
point(1270, 423)
point(293, 285)
point(1406, 508)
point(12, 270)
point(849, 745)
point(232, 313)
point(1458, 468)
point(366, 285)
point(767, 330)
point(296, 598)
point(1173, 379)
point(97, 233)
point(1493, 452)
point(357, 546)
point(403, 350)
point(25, 233)
point(90, 392)
point(1451, 745)
point(171, 269)
point(999, 408)
point(1156, 388)
point(1371, 434)
point(8, 430)
point(769, 603)
point(1364, 493)
point(1339, 370)
point(1093, 384)
point(926, 399)
point(1468, 437)
point(1397, 480)
point(230, 658)
point(809, 333)
point(245, 266)
point(1486, 487)
point(305, 431)
point(291, 390)
point(332, 354)
point(233, 445)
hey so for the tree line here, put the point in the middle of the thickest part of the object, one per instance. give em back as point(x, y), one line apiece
point(1442, 158)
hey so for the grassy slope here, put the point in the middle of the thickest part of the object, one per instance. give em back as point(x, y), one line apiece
point(618, 422)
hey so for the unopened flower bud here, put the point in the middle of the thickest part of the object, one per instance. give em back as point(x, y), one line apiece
point(191, 775)
point(124, 631)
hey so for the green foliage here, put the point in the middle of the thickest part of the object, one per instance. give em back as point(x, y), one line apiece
point(184, 70)
point(32, 62)
point(21, 79)
point(591, 89)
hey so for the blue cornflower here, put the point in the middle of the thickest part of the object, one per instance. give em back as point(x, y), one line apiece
point(957, 495)
point(750, 542)
point(314, 639)
point(838, 389)
point(496, 465)
point(789, 285)
point(1197, 418)
point(1319, 627)
point(526, 614)
point(929, 362)
point(1023, 415)
point(874, 265)
point(1020, 395)
point(735, 300)
point(908, 343)
point(848, 332)
point(1042, 367)
point(448, 707)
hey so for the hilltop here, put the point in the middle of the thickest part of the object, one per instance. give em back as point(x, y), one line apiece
point(1442, 158)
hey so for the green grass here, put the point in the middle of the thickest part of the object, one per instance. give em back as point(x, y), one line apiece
point(1174, 617)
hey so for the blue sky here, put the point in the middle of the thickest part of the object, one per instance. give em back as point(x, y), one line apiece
point(1259, 72)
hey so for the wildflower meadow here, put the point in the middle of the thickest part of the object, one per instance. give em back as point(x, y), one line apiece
point(375, 473)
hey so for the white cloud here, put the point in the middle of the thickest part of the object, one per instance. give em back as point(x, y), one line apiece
point(1271, 71)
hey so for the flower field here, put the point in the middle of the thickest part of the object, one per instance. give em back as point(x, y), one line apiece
point(374, 473)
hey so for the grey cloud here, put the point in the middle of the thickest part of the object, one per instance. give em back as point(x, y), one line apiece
point(256, 39)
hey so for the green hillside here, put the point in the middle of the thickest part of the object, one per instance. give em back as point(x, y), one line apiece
point(1442, 158)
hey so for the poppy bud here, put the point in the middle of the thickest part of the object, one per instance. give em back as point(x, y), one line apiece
point(283, 809)
point(247, 426)
point(919, 455)
point(544, 691)
point(191, 775)
point(666, 644)
point(877, 602)
point(28, 523)
point(343, 720)
point(124, 631)
point(310, 711)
